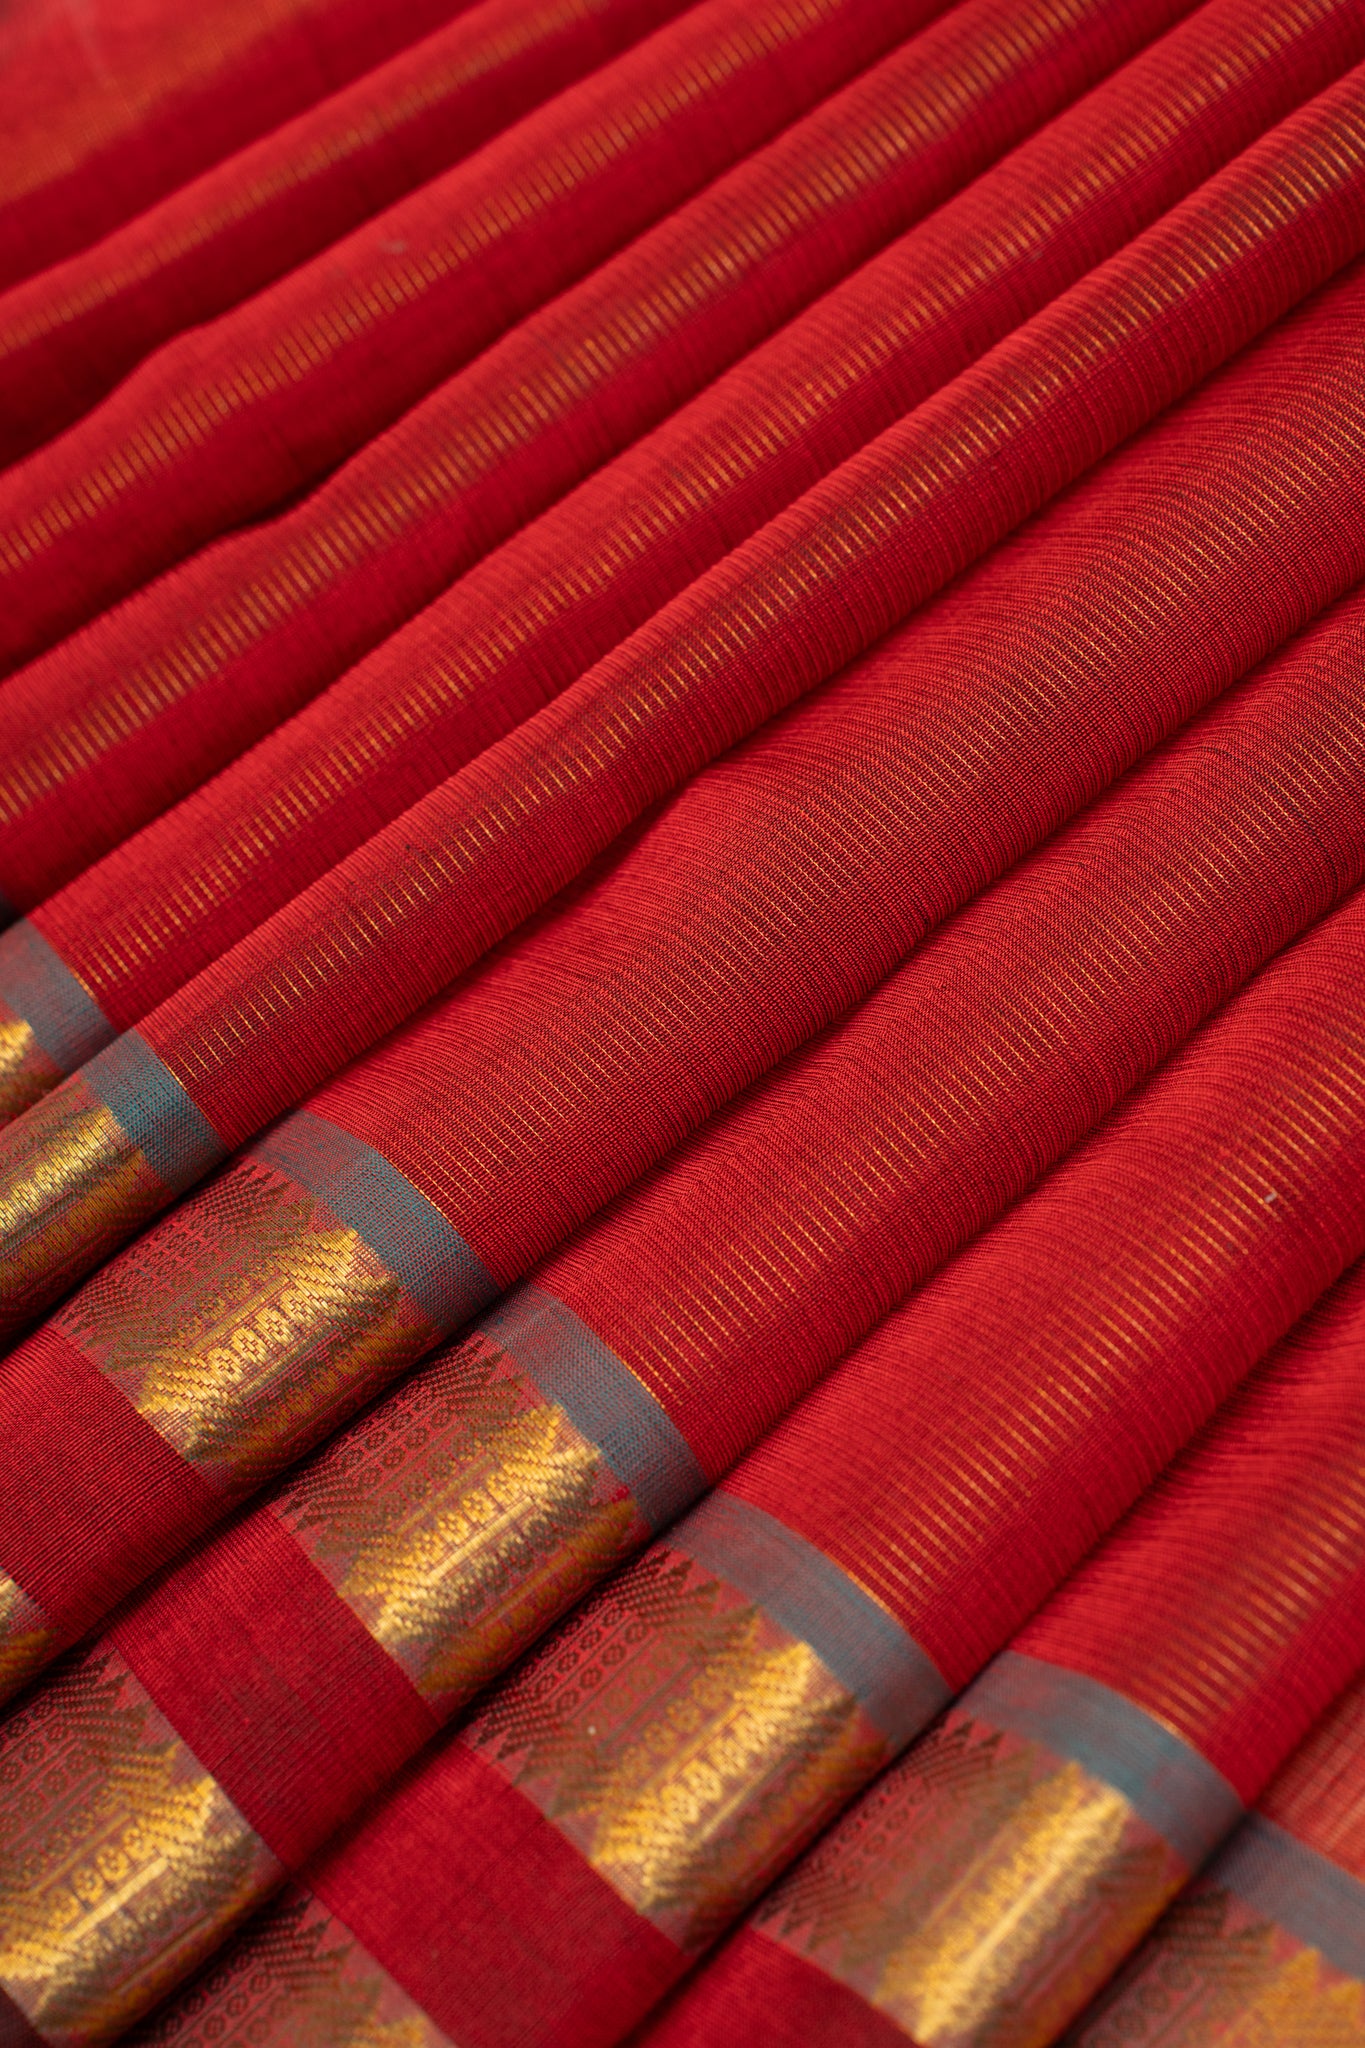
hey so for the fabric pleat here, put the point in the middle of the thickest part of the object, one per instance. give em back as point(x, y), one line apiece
point(653, 1350)
point(70, 334)
point(658, 1760)
point(126, 717)
point(1270, 1942)
point(106, 107)
point(542, 609)
point(361, 949)
point(236, 417)
point(1099, 1761)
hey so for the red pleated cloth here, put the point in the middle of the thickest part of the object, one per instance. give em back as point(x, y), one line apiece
point(611, 1807)
point(1270, 1943)
point(68, 335)
point(106, 107)
point(357, 952)
point(768, 897)
point(238, 416)
point(547, 604)
point(655, 1348)
point(102, 734)
point(990, 1884)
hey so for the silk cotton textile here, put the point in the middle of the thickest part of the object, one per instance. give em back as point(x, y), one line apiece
point(1097, 1763)
point(361, 949)
point(485, 1133)
point(132, 713)
point(658, 1385)
point(549, 603)
point(775, 1630)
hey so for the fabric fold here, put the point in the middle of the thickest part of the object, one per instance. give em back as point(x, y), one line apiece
point(992, 1882)
point(537, 612)
point(429, 1544)
point(236, 418)
point(144, 705)
point(1271, 1939)
point(660, 1757)
point(69, 335)
point(107, 109)
point(362, 949)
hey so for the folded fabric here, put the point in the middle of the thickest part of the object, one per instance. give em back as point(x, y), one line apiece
point(69, 335)
point(547, 1874)
point(106, 107)
point(556, 598)
point(432, 1541)
point(778, 889)
point(238, 416)
point(127, 716)
point(989, 1885)
point(1269, 1944)
point(360, 950)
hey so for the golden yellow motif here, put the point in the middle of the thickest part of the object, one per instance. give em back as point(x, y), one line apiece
point(1218, 1975)
point(296, 1978)
point(682, 1741)
point(246, 1324)
point(984, 1895)
point(26, 1072)
point(460, 1519)
point(72, 1184)
point(26, 1641)
point(122, 1862)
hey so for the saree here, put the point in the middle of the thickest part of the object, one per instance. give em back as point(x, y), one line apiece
point(680, 1186)
point(618, 1801)
point(426, 896)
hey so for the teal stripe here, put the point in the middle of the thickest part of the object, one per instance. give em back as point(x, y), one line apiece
point(602, 1398)
point(898, 1685)
point(169, 1129)
point(404, 1230)
point(1176, 1791)
point(37, 985)
point(1305, 1893)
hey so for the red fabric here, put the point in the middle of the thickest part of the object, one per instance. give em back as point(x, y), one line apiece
point(1156, 1233)
point(107, 106)
point(359, 950)
point(766, 1996)
point(494, 1955)
point(1231, 1605)
point(735, 1276)
point(274, 1684)
point(1320, 1794)
point(126, 717)
point(238, 416)
point(56, 1502)
point(68, 335)
point(531, 617)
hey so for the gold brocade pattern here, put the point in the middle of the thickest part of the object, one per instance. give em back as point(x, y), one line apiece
point(295, 1979)
point(26, 1072)
point(982, 1893)
point(1218, 1975)
point(26, 1641)
point(460, 1519)
point(73, 1187)
point(247, 1324)
point(682, 1741)
point(122, 1862)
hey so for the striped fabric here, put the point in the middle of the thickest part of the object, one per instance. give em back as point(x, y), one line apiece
point(633, 1786)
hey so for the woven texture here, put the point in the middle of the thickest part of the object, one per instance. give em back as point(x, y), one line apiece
point(137, 710)
point(435, 1887)
point(106, 109)
point(354, 954)
point(234, 418)
point(541, 610)
point(69, 335)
